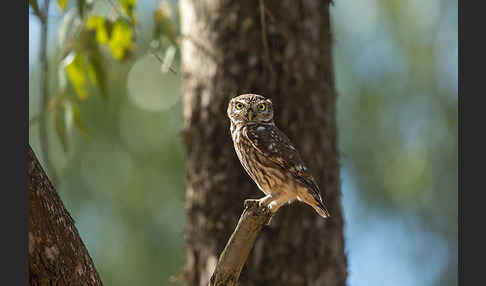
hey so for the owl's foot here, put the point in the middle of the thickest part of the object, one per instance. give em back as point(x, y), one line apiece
point(250, 202)
point(274, 202)
point(271, 204)
point(265, 201)
point(269, 220)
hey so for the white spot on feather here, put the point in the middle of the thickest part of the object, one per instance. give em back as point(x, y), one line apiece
point(260, 128)
point(211, 265)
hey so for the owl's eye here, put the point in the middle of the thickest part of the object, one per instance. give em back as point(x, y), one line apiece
point(239, 105)
point(261, 106)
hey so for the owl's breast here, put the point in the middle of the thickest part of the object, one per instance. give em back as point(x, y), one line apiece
point(268, 176)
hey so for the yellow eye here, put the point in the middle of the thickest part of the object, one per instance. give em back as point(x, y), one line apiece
point(261, 106)
point(239, 105)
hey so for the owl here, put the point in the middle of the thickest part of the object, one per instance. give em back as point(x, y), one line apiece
point(269, 157)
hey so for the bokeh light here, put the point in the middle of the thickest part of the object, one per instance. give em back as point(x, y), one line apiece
point(150, 88)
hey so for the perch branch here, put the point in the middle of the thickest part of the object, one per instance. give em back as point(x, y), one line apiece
point(241, 242)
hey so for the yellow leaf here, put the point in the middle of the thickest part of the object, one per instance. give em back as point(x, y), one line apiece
point(98, 24)
point(128, 6)
point(75, 70)
point(121, 40)
point(62, 4)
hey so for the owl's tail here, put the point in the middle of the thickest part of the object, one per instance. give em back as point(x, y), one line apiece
point(321, 208)
point(313, 197)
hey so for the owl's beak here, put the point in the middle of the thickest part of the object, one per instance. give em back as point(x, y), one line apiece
point(250, 115)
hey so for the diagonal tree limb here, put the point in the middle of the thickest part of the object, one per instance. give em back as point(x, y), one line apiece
point(241, 242)
point(57, 255)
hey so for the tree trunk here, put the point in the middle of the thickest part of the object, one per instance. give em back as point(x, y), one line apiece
point(229, 48)
point(57, 255)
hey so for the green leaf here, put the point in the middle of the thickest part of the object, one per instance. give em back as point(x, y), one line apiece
point(75, 69)
point(164, 25)
point(99, 24)
point(77, 121)
point(81, 5)
point(35, 7)
point(121, 40)
point(85, 69)
point(60, 127)
point(93, 57)
point(62, 4)
point(96, 72)
point(118, 36)
point(128, 7)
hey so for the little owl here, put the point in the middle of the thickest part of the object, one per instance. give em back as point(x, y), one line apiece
point(269, 157)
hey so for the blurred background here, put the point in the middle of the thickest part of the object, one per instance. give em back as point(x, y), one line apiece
point(118, 160)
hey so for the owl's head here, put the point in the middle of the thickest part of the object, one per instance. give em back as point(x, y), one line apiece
point(248, 108)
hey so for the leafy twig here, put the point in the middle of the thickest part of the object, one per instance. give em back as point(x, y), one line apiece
point(124, 18)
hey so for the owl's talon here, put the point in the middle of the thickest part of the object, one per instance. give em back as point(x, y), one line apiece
point(272, 205)
point(249, 202)
point(269, 220)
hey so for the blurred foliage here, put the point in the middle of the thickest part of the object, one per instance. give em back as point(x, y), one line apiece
point(396, 74)
point(164, 18)
point(120, 42)
point(115, 120)
point(118, 179)
point(62, 4)
point(35, 6)
point(102, 27)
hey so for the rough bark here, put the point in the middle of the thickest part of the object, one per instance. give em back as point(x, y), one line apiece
point(224, 54)
point(57, 255)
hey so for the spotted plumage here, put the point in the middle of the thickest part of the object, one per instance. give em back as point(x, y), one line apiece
point(269, 157)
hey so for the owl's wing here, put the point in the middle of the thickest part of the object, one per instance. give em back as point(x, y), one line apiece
point(276, 146)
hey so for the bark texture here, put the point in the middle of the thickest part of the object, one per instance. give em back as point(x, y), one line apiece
point(229, 48)
point(57, 255)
